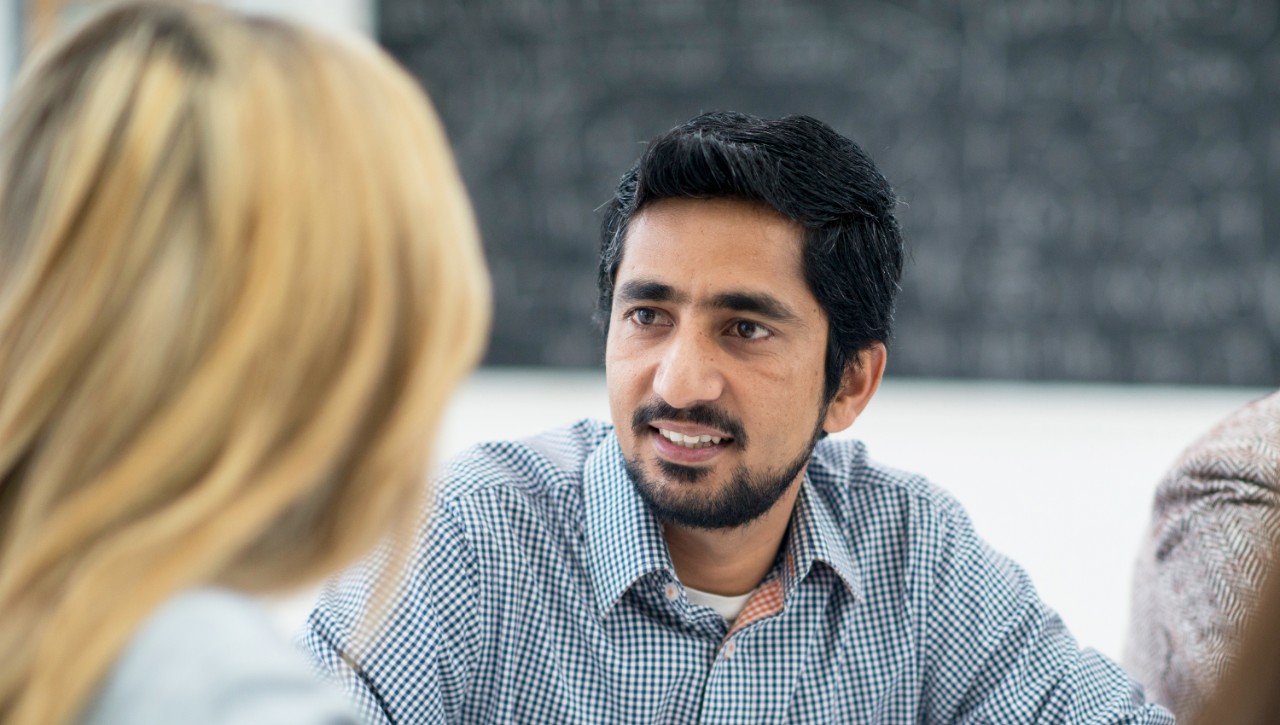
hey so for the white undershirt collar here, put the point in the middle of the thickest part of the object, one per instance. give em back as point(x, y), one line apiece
point(727, 607)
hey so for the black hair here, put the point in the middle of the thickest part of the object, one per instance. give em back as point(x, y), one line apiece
point(805, 171)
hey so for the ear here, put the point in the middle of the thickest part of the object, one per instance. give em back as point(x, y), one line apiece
point(860, 382)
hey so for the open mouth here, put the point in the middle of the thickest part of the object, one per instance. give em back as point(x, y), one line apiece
point(693, 442)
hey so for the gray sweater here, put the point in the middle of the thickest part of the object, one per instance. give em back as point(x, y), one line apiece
point(1205, 556)
point(212, 656)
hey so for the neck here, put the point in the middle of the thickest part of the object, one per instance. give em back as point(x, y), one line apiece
point(734, 561)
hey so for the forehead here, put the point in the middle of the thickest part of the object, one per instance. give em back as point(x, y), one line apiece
point(704, 246)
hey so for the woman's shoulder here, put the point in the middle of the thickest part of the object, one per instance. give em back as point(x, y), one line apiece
point(214, 656)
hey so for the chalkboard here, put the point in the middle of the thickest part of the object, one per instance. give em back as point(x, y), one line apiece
point(1088, 185)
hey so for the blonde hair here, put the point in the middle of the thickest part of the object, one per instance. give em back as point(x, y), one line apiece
point(239, 278)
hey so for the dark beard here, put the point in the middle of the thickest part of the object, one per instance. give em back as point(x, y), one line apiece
point(744, 499)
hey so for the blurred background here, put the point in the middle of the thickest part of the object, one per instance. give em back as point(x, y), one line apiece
point(1086, 183)
point(1088, 195)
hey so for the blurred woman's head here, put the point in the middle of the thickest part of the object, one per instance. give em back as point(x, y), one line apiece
point(239, 277)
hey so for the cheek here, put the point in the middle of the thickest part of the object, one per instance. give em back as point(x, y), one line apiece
point(618, 356)
point(625, 387)
point(787, 401)
point(626, 360)
point(789, 379)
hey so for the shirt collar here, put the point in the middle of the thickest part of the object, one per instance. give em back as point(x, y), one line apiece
point(816, 535)
point(625, 541)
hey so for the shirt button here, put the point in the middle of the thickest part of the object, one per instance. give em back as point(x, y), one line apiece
point(729, 648)
point(673, 592)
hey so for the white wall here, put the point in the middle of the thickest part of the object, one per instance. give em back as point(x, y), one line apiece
point(334, 14)
point(346, 15)
point(10, 42)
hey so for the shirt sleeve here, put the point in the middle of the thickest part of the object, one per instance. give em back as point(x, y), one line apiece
point(322, 642)
point(415, 667)
point(994, 653)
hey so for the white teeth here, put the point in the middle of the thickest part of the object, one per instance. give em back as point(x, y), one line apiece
point(680, 439)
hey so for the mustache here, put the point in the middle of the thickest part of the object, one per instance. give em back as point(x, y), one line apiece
point(700, 414)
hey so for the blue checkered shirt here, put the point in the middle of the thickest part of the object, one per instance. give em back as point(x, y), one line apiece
point(542, 592)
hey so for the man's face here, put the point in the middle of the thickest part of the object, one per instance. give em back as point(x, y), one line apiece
point(715, 341)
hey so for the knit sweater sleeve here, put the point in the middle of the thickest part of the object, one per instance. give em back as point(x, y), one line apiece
point(1204, 556)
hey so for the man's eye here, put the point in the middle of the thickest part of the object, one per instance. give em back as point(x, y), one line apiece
point(645, 316)
point(750, 330)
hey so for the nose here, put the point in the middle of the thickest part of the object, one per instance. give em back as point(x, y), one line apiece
point(690, 371)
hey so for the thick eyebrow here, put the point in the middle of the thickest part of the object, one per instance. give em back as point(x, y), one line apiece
point(765, 305)
point(759, 303)
point(638, 290)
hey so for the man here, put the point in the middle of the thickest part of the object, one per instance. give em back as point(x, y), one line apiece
point(709, 557)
